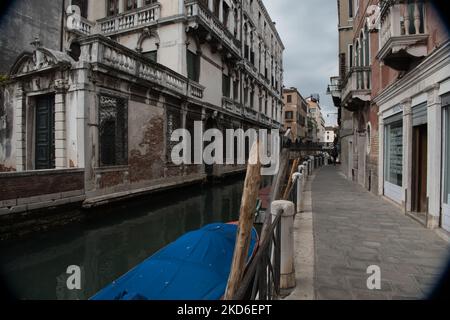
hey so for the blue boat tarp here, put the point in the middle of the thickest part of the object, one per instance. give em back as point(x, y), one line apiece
point(195, 267)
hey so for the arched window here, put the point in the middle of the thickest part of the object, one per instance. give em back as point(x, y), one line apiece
point(366, 46)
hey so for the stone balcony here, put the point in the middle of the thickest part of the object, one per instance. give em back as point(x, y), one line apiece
point(197, 13)
point(334, 89)
point(403, 33)
point(138, 18)
point(105, 54)
point(128, 21)
point(356, 88)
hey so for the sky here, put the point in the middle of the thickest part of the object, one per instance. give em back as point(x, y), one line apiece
point(308, 29)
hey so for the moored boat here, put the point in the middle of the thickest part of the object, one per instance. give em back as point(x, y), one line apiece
point(194, 267)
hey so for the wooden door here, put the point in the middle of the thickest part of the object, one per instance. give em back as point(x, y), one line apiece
point(45, 133)
point(419, 178)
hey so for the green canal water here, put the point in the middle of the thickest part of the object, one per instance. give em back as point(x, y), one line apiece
point(112, 241)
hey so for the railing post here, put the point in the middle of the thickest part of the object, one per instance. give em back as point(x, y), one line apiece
point(287, 269)
point(300, 176)
point(305, 168)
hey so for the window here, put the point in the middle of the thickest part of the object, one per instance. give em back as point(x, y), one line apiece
point(113, 7)
point(113, 126)
point(350, 55)
point(130, 4)
point(147, 2)
point(193, 66)
point(83, 5)
point(226, 86)
point(350, 8)
point(289, 115)
point(446, 102)
point(289, 98)
point(236, 90)
point(152, 55)
point(394, 153)
point(369, 138)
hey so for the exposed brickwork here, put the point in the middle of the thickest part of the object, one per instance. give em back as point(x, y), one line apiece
point(111, 179)
point(14, 186)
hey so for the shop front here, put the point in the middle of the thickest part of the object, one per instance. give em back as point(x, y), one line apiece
point(446, 163)
point(393, 158)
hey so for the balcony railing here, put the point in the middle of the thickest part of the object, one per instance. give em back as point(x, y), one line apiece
point(102, 51)
point(195, 8)
point(357, 85)
point(403, 26)
point(141, 17)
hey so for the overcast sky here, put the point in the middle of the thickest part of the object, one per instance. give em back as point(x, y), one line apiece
point(308, 29)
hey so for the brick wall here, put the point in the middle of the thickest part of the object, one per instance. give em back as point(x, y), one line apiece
point(32, 184)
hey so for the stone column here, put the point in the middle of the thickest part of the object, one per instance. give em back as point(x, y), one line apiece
point(140, 3)
point(407, 153)
point(60, 125)
point(19, 106)
point(121, 6)
point(381, 155)
point(434, 157)
point(221, 11)
point(211, 5)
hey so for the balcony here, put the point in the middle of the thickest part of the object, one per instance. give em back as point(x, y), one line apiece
point(403, 34)
point(250, 113)
point(105, 55)
point(196, 12)
point(356, 88)
point(130, 20)
point(230, 105)
point(334, 89)
point(141, 17)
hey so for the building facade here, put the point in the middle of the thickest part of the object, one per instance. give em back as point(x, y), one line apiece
point(295, 114)
point(316, 120)
point(395, 85)
point(100, 112)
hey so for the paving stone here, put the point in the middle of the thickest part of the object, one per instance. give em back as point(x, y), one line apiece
point(353, 226)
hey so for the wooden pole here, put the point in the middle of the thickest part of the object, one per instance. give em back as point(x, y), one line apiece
point(289, 186)
point(248, 207)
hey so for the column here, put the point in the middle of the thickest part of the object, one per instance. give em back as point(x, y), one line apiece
point(121, 6)
point(60, 125)
point(20, 129)
point(221, 11)
point(434, 157)
point(211, 5)
point(381, 155)
point(140, 3)
point(407, 153)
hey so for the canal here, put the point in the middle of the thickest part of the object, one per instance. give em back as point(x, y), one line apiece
point(111, 241)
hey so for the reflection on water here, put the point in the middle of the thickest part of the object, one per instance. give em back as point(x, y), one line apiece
point(114, 242)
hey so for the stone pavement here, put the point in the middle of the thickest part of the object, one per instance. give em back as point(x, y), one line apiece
point(354, 229)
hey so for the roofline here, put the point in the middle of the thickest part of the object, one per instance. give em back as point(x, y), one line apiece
point(272, 24)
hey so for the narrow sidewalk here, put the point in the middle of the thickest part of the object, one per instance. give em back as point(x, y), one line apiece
point(351, 230)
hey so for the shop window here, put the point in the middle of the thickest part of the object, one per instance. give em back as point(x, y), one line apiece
point(113, 136)
point(394, 153)
point(446, 100)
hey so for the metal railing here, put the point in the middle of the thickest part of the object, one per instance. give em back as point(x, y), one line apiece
point(265, 277)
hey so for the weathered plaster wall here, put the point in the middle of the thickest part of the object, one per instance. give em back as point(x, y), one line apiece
point(7, 150)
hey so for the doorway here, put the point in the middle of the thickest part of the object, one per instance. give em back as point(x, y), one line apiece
point(45, 133)
point(419, 169)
